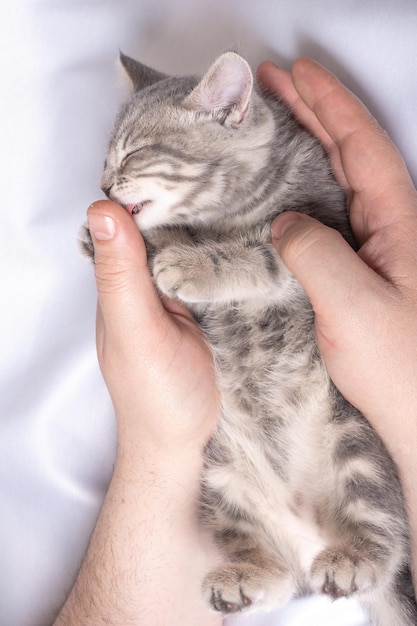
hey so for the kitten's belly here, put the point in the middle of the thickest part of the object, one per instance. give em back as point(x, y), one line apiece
point(278, 481)
point(276, 407)
point(271, 508)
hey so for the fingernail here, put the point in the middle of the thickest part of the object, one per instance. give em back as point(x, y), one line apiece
point(283, 223)
point(101, 226)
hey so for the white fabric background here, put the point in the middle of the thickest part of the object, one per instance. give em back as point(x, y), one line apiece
point(60, 88)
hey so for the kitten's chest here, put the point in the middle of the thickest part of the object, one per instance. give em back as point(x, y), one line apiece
point(264, 354)
point(275, 390)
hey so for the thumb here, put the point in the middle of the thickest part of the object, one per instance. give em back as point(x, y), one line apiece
point(127, 298)
point(332, 274)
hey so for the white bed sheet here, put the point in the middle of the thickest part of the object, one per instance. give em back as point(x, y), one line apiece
point(60, 89)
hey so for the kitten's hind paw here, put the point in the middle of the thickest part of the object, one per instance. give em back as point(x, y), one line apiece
point(226, 606)
point(244, 586)
point(340, 572)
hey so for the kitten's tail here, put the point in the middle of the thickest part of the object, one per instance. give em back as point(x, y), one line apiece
point(396, 606)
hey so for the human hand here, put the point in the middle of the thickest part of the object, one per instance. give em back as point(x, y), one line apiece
point(159, 373)
point(365, 303)
point(154, 359)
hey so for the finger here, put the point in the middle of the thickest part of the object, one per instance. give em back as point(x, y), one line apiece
point(128, 302)
point(334, 277)
point(373, 166)
point(280, 82)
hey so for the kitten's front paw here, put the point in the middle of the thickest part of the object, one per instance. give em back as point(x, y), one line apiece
point(340, 572)
point(86, 243)
point(244, 586)
point(177, 273)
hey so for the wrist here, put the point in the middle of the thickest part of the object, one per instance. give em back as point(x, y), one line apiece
point(147, 462)
point(396, 423)
point(150, 516)
point(164, 436)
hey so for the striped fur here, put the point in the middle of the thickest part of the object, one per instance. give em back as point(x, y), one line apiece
point(298, 490)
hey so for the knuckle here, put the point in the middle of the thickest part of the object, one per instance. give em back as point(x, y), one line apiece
point(111, 273)
point(306, 241)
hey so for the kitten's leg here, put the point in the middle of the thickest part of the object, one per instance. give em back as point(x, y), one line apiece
point(347, 568)
point(250, 580)
point(220, 272)
point(253, 576)
point(368, 511)
point(86, 243)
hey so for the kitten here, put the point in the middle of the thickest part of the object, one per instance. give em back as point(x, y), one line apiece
point(298, 490)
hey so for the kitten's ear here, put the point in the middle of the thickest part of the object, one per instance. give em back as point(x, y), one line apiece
point(224, 91)
point(140, 75)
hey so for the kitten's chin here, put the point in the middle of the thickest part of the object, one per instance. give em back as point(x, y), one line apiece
point(142, 216)
point(151, 214)
point(147, 215)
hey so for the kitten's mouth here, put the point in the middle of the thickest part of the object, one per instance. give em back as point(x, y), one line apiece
point(134, 209)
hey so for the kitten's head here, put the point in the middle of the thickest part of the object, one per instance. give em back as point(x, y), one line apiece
point(184, 147)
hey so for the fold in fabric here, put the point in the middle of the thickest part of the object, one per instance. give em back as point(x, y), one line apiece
point(60, 91)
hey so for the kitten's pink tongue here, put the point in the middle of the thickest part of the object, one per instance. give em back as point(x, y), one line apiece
point(129, 208)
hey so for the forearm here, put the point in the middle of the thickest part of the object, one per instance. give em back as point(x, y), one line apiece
point(146, 558)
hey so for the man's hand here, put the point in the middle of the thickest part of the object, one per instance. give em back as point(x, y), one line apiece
point(154, 359)
point(366, 302)
point(148, 555)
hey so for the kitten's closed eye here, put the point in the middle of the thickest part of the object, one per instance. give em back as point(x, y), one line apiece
point(129, 155)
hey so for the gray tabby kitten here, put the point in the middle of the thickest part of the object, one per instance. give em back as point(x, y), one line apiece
point(298, 490)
